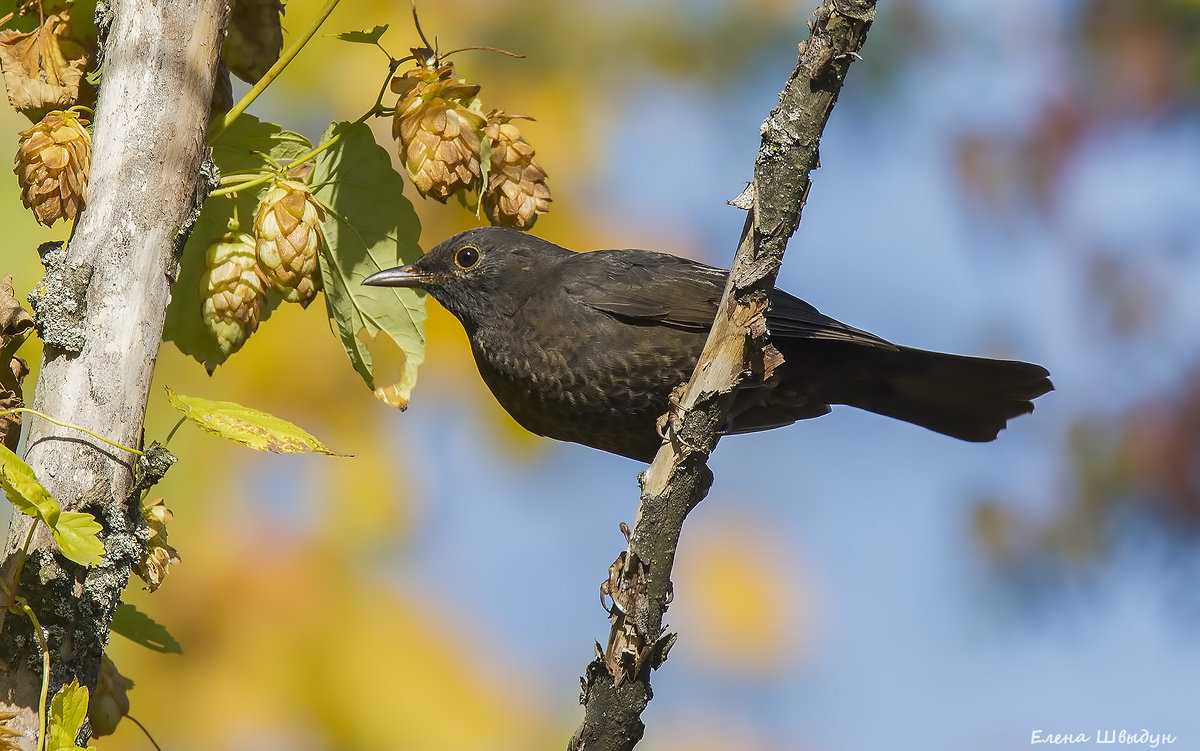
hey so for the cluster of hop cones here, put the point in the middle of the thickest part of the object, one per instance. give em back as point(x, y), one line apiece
point(441, 129)
point(240, 268)
point(448, 146)
point(43, 73)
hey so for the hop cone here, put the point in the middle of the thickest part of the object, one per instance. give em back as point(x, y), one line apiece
point(109, 701)
point(516, 190)
point(159, 555)
point(232, 293)
point(254, 37)
point(52, 166)
point(287, 229)
point(437, 125)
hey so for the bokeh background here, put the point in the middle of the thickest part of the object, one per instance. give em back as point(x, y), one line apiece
point(1014, 179)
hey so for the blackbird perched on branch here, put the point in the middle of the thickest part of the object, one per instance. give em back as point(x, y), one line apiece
point(587, 347)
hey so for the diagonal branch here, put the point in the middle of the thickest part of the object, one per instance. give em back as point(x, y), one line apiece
point(616, 686)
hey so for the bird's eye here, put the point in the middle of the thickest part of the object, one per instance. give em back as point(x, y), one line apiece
point(466, 257)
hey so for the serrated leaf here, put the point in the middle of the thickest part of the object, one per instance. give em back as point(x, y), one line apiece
point(76, 533)
point(78, 537)
point(240, 147)
point(366, 36)
point(249, 427)
point(371, 227)
point(237, 150)
point(68, 710)
point(141, 629)
point(23, 489)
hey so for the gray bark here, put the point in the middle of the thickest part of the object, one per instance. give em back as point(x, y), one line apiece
point(147, 150)
point(616, 686)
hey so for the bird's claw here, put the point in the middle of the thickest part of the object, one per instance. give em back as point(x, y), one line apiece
point(610, 586)
point(670, 424)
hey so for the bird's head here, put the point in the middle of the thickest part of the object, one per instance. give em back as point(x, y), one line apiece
point(478, 274)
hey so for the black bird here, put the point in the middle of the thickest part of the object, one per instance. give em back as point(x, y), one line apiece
point(587, 347)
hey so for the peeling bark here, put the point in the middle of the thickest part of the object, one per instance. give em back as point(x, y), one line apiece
point(616, 686)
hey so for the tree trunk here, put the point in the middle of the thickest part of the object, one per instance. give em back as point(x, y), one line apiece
point(144, 189)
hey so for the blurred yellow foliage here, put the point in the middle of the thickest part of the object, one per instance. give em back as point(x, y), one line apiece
point(286, 647)
point(743, 599)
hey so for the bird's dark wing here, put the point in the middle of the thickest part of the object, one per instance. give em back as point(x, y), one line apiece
point(644, 287)
point(640, 286)
point(792, 318)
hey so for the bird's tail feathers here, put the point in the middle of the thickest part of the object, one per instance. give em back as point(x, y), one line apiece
point(970, 398)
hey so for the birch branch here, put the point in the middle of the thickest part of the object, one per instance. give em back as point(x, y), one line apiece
point(109, 289)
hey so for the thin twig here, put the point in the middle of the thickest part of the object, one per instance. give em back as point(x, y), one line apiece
point(444, 55)
point(149, 737)
point(417, 23)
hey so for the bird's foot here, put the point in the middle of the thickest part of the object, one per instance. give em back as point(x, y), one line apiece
point(610, 587)
point(670, 424)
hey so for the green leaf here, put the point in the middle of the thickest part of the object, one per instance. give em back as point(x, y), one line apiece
point(249, 427)
point(68, 710)
point(78, 536)
point(238, 150)
point(371, 227)
point(23, 489)
point(141, 629)
point(366, 36)
point(241, 146)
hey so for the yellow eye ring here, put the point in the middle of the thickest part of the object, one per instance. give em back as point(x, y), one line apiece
point(466, 257)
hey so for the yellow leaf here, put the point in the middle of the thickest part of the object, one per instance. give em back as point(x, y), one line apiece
point(78, 536)
point(393, 377)
point(42, 68)
point(68, 710)
point(249, 427)
point(23, 489)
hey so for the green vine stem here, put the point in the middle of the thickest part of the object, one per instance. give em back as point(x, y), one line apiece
point(21, 605)
point(239, 187)
point(18, 604)
point(288, 55)
point(48, 418)
point(375, 109)
point(20, 567)
point(171, 435)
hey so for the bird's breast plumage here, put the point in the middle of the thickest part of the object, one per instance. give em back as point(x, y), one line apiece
point(575, 374)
